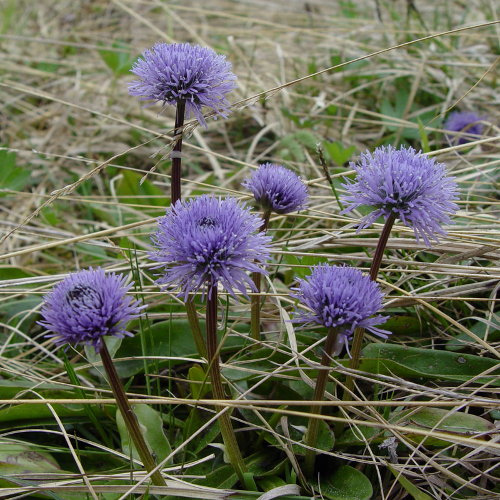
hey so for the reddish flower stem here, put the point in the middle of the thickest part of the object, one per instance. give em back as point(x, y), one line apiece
point(129, 417)
point(175, 182)
point(319, 393)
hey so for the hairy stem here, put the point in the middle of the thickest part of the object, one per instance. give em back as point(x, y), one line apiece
point(256, 303)
point(175, 186)
point(129, 417)
point(226, 427)
point(319, 393)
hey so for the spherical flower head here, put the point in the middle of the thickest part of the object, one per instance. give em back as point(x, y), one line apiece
point(340, 297)
point(411, 185)
point(175, 72)
point(86, 306)
point(209, 240)
point(463, 121)
point(277, 188)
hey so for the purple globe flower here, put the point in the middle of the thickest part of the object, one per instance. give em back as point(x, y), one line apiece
point(409, 184)
point(463, 121)
point(180, 71)
point(277, 188)
point(340, 297)
point(208, 240)
point(86, 306)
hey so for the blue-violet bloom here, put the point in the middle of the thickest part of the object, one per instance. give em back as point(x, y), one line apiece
point(465, 122)
point(209, 240)
point(86, 306)
point(407, 183)
point(340, 297)
point(196, 75)
point(277, 188)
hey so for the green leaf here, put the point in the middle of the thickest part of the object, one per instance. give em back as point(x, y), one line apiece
point(271, 482)
point(112, 343)
point(91, 250)
point(151, 425)
point(306, 260)
point(357, 436)
point(480, 328)
point(198, 382)
point(403, 324)
point(133, 192)
point(12, 177)
point(118, 60)
point(437, 419)
point(299, 121)
point(14, 311)
point(206, 438)
point(32, 414)
point(443, 420)
point(223, 477)
point(9, 15)
point(424, 138)
point(18, 457)
point(293, 144)
point(337, 152)
point(414, 362)
point(296, 429)
point(415, 492)
point(172, 337)
point(9, 389)
point(50, 215)
point(346, 483)
point(348, 8)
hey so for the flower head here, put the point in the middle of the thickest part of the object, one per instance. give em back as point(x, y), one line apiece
point(209, 240)
point(340, 297)
point(463, 121)
point(409, 184)
point(277, 188)
point(180, 71)
point(88, 305)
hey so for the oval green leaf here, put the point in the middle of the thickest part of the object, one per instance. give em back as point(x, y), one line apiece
point(346, 483)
